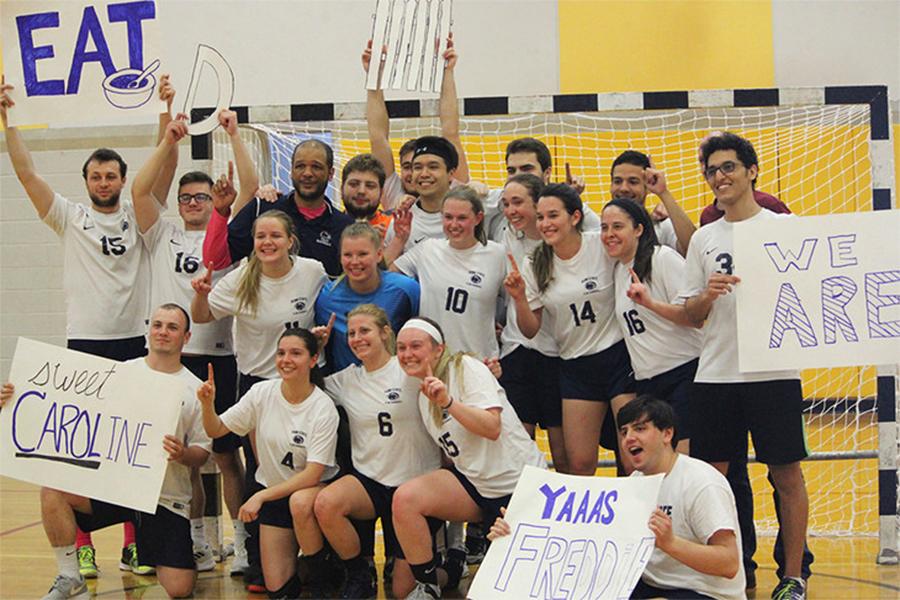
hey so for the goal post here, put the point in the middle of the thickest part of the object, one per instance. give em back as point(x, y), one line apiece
point(822, 150)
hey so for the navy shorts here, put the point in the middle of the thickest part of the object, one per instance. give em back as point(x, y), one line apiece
point(122, 349)
point(490, 507)
point(531, 381)
point(277, 513)
point(772, 411)
point(382, 496)
point(225, 369)
point(674, 386)
point(163, 539)
point(600, 377)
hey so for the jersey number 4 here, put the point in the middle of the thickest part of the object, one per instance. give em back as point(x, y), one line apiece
point(457, 299)
point(586, 313)
point(288, 460)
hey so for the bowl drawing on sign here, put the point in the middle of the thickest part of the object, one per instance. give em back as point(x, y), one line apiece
point(119, 94)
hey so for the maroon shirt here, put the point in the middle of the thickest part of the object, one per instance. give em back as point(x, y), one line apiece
point(768, 201)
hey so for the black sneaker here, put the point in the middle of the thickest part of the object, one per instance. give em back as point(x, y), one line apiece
point(789, 589)
point(455, 566)
point(359, 584)
point(751, 581)
point(475, 544)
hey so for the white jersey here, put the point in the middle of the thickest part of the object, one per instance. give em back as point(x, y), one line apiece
point(425, 226)
point(496, 224)
point(106, 273)
point(493, 466)
point(712, 251)
point(459, 291)
point(176, 257)
point(287, 435)
point(388, 442)
point(287, 301)
point(176, 488)
point(699, 501)
point(579, 299)
point(655, 344)
point(665, 233)
point(521, 248)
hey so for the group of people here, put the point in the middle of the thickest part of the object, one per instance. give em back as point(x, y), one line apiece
point(393, 360)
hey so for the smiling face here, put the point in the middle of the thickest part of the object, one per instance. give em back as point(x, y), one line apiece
point(293, 360)
point(309, 172)
point(518, 206)
point(406, 173)
point(416, 351)
point(554, 222)
point(168, 332)
point(648, 447)
point(359, 259)
point(730, 188)
point(271, 240)
point(628, 182)
point(619, 234)
point(367, 341)
point(104, 183)
point(430, 176)
point(460, 220)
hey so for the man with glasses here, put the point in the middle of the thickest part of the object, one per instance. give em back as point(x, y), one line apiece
point(767, 404)
point(176, 256)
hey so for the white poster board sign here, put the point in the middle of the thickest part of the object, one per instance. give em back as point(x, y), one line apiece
point(88, 425)
point(409, 38)
point(81, 62)
point(819, 291)
point(572, 537)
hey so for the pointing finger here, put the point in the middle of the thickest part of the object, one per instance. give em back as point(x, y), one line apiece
point(331, 320)
point(230, 171)
point(512, 261)
point(568, 173)
point(211, 374)
point(634, 276)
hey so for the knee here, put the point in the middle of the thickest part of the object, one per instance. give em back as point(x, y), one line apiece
point(582, 465)
point(302, 504)
point(787, 478)
point(179, 587)
point(405, 502)
point(327, 507)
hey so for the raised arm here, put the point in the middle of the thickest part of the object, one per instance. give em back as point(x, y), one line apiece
point(449, 111)
point(249, 180)
point(676, 313)
point(377, 120)
point(528, 321)
point(206, 394)
point(200, 311)
point(166, 173)
point(681, 222)
point(39, 191)
point(143, 190)
point(480, 421)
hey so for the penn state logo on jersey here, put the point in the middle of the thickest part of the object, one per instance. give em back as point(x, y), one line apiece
point(324, 238)
point(476, 278)
point(392, 395)
point(591, 284)
point(125, 225)
point(300, 304)
point(298, 438)
point(445, 416)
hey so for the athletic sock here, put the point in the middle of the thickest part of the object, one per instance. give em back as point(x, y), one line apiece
point(82, 538)
point(67, 561)
point(198, 532)
point(240, 533)
point(357, 563)
point(425, 572)
point(455, 536)
point(127, 533)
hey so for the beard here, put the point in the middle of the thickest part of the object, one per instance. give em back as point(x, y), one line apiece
point(360, 213)
point(311, 196)
point(113, 201)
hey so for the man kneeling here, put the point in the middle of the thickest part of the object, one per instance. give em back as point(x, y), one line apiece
point(164, 538)
point(697, 535)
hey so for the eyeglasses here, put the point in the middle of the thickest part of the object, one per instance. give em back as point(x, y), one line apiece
point(200, 198)
point(726, 167)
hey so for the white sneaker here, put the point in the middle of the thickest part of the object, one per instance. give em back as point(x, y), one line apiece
point(240, 564)
point(424, 591)
point(203, 558)
point(65, 587)
point(226, 551)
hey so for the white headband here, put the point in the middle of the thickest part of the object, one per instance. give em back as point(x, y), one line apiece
point(426, 327)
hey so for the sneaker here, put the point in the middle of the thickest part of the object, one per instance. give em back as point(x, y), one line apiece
point(475, 545)
point(129, 560)
point(424, 591)
point(87, 563)
point(240, 564)
point(144, 570)
point(456, 568)
point(253, 580)
point(359, 584)
point(789, 589)
point(203, 558)
point(67, 587)
point(226, 551)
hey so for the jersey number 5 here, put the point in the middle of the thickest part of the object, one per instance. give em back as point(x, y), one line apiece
point(449, 445)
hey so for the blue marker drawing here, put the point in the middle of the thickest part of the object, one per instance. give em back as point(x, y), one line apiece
point(837, 292)
point(131, 88)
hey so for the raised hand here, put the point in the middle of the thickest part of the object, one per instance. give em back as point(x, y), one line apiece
point(6, 101)
point(202, 284)
point(223, 191)
point(229, 121)
point(576, 182)
point(166, 91)
point(514, 283)
point(323, 332)
point(174, 447)
point(206, 393)
point(434, 389)
point(450, 55)
point(6, 393)
point(493, 363)
point(655, 179)
point(720, 284)
point(267, 192)
point(403, 223)
point(637, 291)
point(175, 131)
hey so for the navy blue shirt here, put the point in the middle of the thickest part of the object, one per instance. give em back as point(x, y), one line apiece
point(319, 238)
